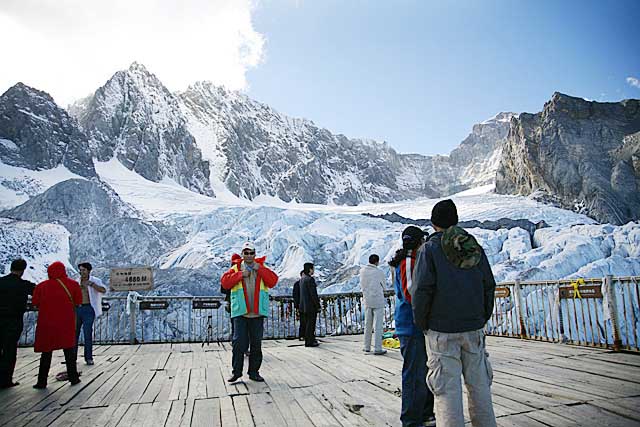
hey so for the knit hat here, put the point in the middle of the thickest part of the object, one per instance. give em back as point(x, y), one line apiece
point(412, 234)
point(444, 214)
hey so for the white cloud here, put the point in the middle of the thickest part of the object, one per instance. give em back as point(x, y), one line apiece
point(70, 48)
point(633, 81)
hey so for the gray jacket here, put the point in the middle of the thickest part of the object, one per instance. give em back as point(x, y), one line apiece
point(372, 283)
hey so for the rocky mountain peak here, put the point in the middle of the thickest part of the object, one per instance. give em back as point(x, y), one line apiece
point(37, 134)
point(135, 118)
point(579, 153)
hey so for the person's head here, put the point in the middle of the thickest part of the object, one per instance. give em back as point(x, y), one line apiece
point(308, 268)
point(301, 273)
point(374, 259)
point(444, 215)
point(248, 252)
point(412, 237)
point(85, 270)
point(18, 266)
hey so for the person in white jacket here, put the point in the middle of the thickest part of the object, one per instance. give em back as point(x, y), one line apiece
point(372, 283)
point(91, 308)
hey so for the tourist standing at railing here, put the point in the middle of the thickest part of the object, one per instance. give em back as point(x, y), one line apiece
point(14, 292)
point(296, 305)
point(453, 300)
point(249, 281)
point(56, 299)
point(92, 289)
point(372, 284)
point(309, 304)
point(417, 399)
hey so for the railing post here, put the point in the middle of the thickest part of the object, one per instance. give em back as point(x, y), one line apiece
point(189, 320)
point(132, 321)
point(613, 312)
point(519, 305)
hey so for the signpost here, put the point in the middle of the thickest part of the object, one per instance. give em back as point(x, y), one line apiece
point(593, 291)
point(131, 279)
point(502, 292)
point(204, 304)
point(154, 305)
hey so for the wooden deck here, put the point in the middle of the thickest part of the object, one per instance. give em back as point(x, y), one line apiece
point(535, 384)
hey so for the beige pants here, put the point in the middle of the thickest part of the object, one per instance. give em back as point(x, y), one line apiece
point(452, 355)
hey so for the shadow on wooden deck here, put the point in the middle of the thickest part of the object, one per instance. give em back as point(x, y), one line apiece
point(336, 384)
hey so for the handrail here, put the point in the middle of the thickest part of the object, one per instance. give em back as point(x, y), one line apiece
point(604, 314)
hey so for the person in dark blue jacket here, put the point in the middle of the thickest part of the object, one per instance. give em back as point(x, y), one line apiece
point(417, 399)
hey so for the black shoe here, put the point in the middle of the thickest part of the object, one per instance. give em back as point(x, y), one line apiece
point(234, 378)
point(313, 344)
point(74, 382)
point(39, 386)
point(9, 384)
point(257, 378)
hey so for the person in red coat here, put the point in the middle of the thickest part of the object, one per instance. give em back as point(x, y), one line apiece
point(56, 299)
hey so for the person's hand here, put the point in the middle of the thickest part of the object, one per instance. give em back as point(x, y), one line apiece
point(245, 273)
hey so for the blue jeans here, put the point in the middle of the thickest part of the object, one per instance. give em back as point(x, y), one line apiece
point(417, 399)
point(84, 319)
point(247, 333)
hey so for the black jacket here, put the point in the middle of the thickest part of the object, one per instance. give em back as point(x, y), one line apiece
point(13, 295)
point(309, 301)
point(296, 294)
point(447, 298)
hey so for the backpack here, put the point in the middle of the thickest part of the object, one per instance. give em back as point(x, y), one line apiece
point(461, 248)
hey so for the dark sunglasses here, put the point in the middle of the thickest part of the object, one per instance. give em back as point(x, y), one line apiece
point(249, 253)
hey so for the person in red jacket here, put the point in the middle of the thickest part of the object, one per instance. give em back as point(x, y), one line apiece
point(56, 299)
point(248, 281)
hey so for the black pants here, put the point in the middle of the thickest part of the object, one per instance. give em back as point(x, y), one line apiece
point(45, 365)
point(10, 331)
point(303, 326)
point(247, 333)
point(310, 328)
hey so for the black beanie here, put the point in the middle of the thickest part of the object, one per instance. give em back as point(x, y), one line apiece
point(412, 237)
point(444, 214)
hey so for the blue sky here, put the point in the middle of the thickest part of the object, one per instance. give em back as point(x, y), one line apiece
point(419, 74)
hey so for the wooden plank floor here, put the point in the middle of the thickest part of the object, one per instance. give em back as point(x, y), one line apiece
point(336, 384)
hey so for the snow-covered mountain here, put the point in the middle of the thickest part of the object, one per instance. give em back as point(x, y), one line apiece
point(134, 118)
point(131, 182)
point(254, 150)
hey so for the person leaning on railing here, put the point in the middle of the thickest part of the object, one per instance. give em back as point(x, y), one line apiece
point(452, 301)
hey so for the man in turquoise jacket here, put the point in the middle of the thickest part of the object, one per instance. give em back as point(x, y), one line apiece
point(249, 282)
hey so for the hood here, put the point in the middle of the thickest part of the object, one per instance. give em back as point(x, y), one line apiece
point(57, 270)
point(461, 248)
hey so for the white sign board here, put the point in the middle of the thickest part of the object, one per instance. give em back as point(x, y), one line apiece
point(131, 279)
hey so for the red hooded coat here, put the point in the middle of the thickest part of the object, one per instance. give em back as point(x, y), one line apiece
point(56, 328)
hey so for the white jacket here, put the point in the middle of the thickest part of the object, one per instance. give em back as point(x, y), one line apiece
point(95, 297)
point(372, 283)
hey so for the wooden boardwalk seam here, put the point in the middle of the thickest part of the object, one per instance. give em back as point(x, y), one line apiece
point(336, 384)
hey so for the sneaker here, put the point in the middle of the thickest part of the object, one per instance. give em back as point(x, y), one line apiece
point(89, 362)
point(234, 378)
point(366, 350)
point(256, 377)
point(430, 421)
point(380, 352)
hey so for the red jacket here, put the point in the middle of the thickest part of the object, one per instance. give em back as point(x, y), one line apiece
point(231, 278)
point(56, 328)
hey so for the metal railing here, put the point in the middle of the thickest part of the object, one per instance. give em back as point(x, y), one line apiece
point(603, 313)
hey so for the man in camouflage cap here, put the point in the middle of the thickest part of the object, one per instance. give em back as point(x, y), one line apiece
point(452, 301)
